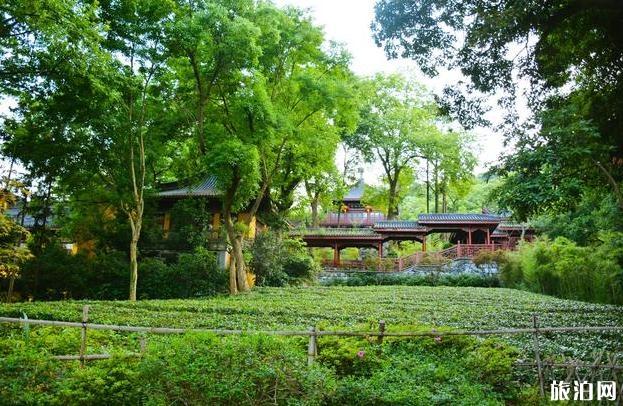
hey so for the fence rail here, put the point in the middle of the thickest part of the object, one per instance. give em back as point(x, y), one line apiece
point(432, 333)
point(313, 333)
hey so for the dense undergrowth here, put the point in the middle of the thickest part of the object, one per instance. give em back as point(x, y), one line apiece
point(562, 268)
point(200, 369)
point(302, 307)
point(433, 279)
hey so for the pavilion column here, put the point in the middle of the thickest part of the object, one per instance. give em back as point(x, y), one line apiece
point(424, 244)
point(380, 250)
point(488, 236)
point(336, 255)
point(469, 236)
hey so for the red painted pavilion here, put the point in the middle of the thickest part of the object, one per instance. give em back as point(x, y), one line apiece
point(360, 226)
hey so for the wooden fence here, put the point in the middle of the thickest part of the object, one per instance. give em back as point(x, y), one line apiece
point(541, 366)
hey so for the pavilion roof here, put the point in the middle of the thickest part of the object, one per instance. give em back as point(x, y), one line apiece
point(334, 232)
point(513, 227)
point(399, 225)
point(459, 218)
point(355, 194)
point(206, 187)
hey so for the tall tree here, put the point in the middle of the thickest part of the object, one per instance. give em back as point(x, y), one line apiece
point(283, 86)
point(567, 50)
point(396, 118)
point(97, 127)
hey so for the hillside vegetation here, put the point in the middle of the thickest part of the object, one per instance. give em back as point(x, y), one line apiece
point(201, 368)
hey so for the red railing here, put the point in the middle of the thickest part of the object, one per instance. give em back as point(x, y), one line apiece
point(459, 251)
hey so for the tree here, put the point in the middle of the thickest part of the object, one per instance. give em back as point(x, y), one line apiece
point(97, 127)
point(280, 85)
point(395, 120)
point(12, 235)
point(40, 39)
point(568, 50)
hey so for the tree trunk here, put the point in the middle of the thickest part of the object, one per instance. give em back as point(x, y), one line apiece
point(444, 199)
point(616, 190)
point(427, 188)
point(241, 272)
point(314, 212)
point(135, 224)
point(201, 102)
point(392, 210)
point(436, 177)
point(9, 294)
point(237, 272)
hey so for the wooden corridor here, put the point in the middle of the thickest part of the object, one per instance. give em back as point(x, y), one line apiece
point(456, 252)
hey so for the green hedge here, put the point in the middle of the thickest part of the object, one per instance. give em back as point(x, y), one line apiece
point(201, 369)
point(434, 279)
point(55, 274)
point(564, 269)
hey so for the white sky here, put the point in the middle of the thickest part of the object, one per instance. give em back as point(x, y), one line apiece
point(348, 22)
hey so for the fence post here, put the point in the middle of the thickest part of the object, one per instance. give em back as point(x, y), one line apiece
point(381, 331)
point(26, 328)
point(143, 344)
point(537, 355)
point(312, 348)
point(83, 335)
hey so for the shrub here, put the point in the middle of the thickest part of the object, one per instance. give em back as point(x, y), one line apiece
point(55, 274)
point(562, 268)
point(279, 261)
point(433, 279)
point(193, 275)
point(192, 369)
point(205, 369)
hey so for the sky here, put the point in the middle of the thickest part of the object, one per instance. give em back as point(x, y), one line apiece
point(348, 22)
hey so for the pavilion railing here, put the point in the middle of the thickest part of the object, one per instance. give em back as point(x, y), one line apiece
point(459, 251)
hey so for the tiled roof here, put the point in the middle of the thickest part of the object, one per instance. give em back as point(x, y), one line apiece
point(15, 214)
point(513, 226)
point(459, 217)
point(205, 188)
point(356, 193)
point(346, 232)
point(398, 225)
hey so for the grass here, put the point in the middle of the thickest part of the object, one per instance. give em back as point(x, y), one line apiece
point(352, 307)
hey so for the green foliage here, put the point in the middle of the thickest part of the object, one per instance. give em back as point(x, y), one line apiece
point(562, 268)
point(26, 367)
point(278, 260)
point(194, 274)
point(423, 370)
point(434, 278)
point(349, 307)
point(485, 257)
point(56, 274)
point(200, 369)
point(594, 212)
point(204, 369)
point(493, 363)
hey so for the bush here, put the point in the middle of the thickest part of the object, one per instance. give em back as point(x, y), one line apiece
point(196, 369)
point(279, 261)
point(564, 269)
point(56, 274)
point(433, 279)
point(193, 275)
